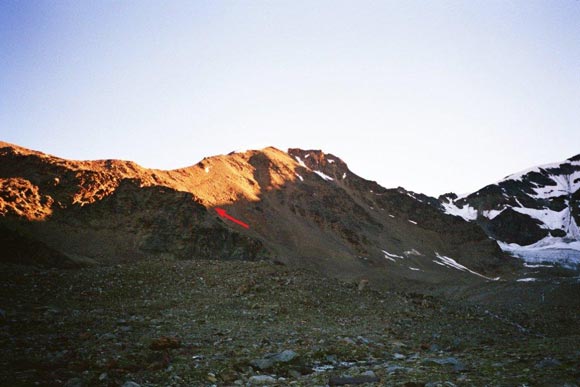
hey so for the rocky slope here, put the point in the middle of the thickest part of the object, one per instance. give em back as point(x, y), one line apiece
point(304, 208)
point(533, 214)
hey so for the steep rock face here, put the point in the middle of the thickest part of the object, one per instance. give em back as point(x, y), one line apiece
point(304, 208)
point(534, 213)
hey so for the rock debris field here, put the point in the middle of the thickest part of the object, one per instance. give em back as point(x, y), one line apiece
point(237, 323)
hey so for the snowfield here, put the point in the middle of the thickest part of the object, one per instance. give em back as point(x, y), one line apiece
point(549, 249)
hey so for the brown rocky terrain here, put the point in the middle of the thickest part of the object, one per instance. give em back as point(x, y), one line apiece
point(304, 208)
point(166, 322)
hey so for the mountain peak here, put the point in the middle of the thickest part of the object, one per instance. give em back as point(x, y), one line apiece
point(326, 165)
point(316, 157)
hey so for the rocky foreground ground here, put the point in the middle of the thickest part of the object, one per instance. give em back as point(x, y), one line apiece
point(202, 323)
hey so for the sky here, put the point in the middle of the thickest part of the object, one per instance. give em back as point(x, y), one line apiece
point(433, 96)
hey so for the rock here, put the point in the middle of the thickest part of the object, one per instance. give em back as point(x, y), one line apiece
point(364, 340)
point(456, 364)
point(457, 342)
point(362, 284)
point(228, 376)
point(399, 356)
point(396, 368)
point(211, 377)
point(103, 376)
point(331, 358)
point(165, 342)
point(348, 340)
point(440, 384)
point(74, 382)
point(548, 363)
point(284, 356)
point(345, 380)
point(259, 379)
point(369, 373)
point(269, 361)
point(157, 360)
point(130, 383)
point(262, 364)
point(108, 336)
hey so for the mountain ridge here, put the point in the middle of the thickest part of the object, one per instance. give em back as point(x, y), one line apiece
point(304, 208)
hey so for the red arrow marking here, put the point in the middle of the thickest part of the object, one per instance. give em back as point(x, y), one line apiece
point(221, 212)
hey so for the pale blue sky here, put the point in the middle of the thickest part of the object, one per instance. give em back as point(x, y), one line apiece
point(434, 96)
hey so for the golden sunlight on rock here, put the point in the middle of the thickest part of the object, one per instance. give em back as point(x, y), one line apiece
point(22, 198)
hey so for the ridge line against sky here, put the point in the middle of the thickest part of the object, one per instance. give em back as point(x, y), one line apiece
point(435, 97)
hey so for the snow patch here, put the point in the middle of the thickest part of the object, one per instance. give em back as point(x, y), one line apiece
point(492, 213)
point(412, 252)
point(414, 268)
point(536, 266)
point(330, 161)
point(466, 212)
point(344, 176)
point(527, 279)
point(547, 191)
point(300, 161)
point(450, 262)
point(300, 177)
point(207, 169)
point(391, 255)
point(411, 195)
point(551, 219)
point(412, 221)
point(323, 175)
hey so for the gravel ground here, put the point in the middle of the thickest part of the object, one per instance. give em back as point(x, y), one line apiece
point(227, 323)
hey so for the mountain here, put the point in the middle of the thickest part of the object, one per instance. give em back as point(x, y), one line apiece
point(304, 208)
point(533, 214)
